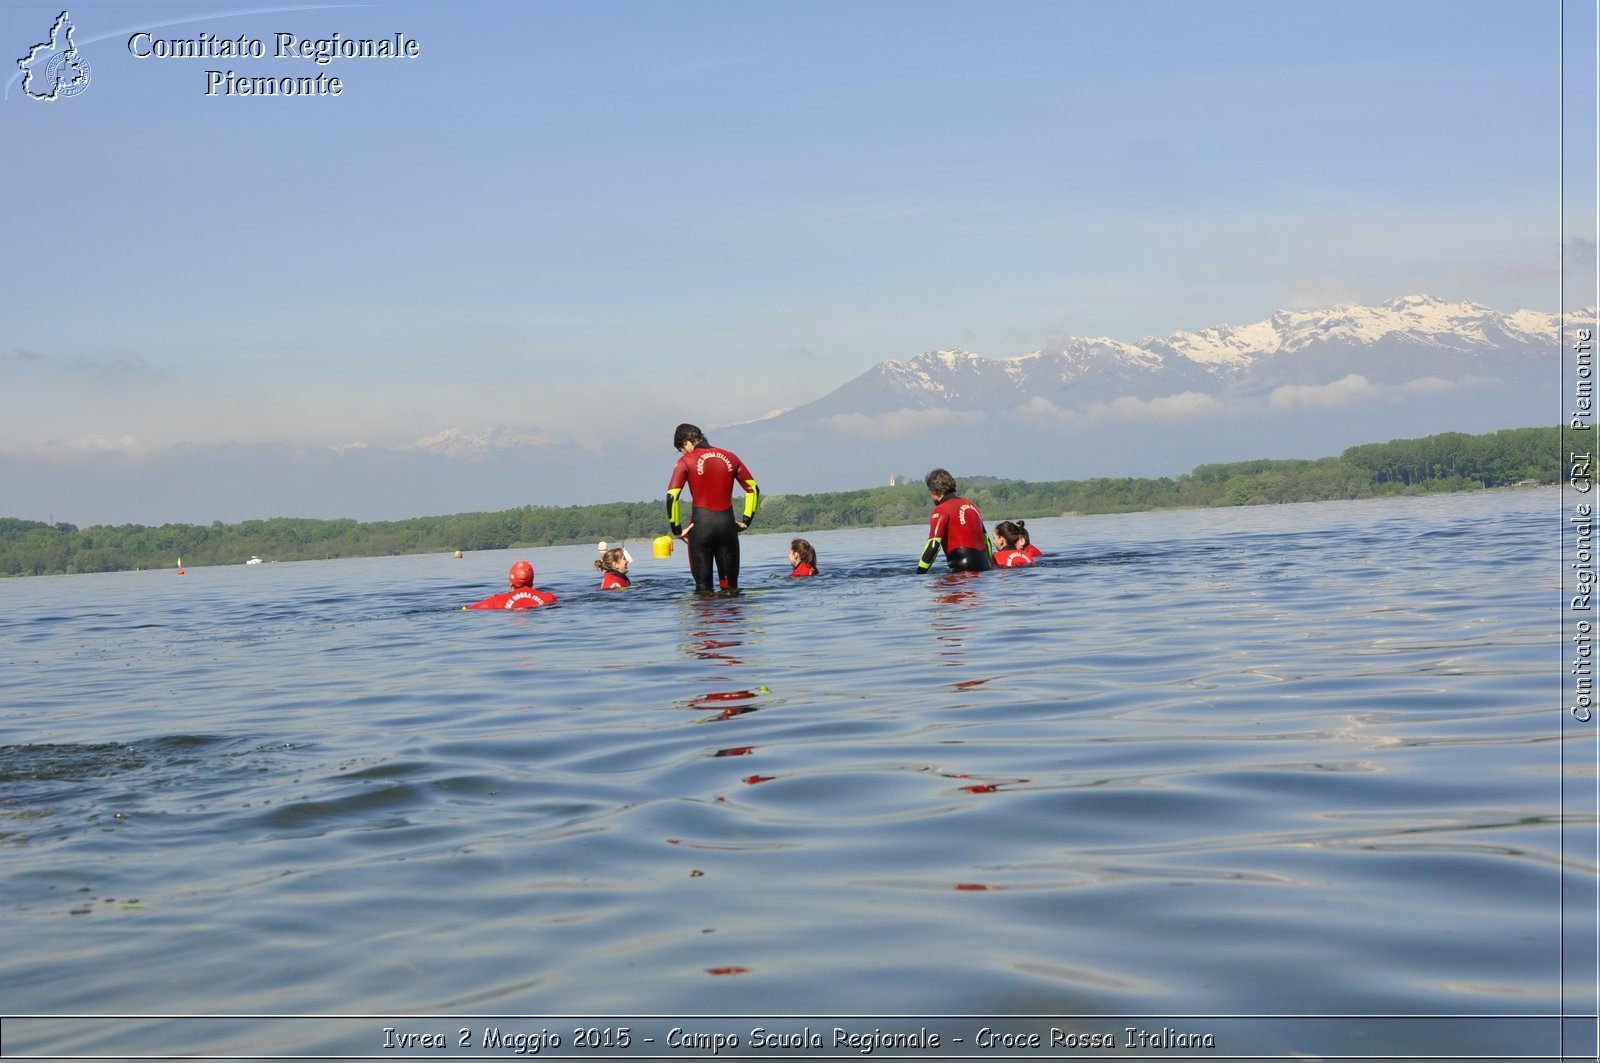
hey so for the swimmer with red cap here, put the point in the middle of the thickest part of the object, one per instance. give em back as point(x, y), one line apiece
point(522, 595)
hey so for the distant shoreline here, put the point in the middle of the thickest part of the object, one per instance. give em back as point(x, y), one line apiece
point(1447, 462)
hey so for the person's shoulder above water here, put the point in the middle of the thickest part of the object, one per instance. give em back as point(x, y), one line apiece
point(613, 565)
point(523, 598)
point(522, 595)
point(1012, 559)
point(955, 527)
point(1023, 542)
point(1010, 538)
point(803, 558)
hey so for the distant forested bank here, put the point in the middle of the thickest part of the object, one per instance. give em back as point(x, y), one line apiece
point(1451, 461)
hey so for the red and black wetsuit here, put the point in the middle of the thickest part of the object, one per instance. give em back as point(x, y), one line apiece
point(802, 569)
point(710, 474)
point(611, 581)
point(957, 528)
point(517, 598)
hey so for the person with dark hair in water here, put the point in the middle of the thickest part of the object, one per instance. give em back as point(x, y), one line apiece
point(955, 527)
point(1024, 543)
point(1008, 552)
point(522, 595)
point(712, 532)
point(613, 565)
point(803, 556)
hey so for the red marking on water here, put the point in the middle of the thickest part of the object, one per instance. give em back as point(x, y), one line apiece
point(736, 751)
point(753, 779)
point(986, 788)
point(727, 970)
point(724, 695)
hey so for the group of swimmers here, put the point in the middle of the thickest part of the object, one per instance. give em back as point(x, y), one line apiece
point(710, 473)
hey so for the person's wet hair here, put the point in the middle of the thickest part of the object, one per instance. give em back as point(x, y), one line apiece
point(941, 483)
point(1011, 533)
point(688, 433)
point(808, 555)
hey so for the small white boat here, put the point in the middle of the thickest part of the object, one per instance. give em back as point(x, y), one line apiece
point(254, 560)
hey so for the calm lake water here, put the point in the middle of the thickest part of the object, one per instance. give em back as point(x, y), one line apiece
point(1282, 776)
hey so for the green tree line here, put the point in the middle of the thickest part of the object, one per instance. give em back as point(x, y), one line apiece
point(1451, 461)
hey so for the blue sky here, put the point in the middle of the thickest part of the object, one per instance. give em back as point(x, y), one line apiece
point(591, 221)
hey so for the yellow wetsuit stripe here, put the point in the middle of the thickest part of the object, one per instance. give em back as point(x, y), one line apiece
point(674, 516)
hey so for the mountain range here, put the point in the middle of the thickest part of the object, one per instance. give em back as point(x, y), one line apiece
point(1299, 384)
point(1302, 383)
point(1402, 341)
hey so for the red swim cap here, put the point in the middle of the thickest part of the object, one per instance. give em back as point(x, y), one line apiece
point(522, 574)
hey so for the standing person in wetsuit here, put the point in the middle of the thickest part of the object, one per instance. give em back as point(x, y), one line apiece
point(955, 527)
point(710, 474)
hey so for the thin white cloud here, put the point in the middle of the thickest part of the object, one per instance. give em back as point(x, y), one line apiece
point(1346, 391)
point(1433, 385)
point(1040, 410)
point(124, 369)
point(1356, 389)
point(1181, 406)
point(84, 446)
point(902, 423)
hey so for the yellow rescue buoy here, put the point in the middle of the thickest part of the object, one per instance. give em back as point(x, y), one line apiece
point(663, 546)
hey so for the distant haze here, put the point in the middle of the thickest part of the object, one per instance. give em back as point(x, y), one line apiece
point(1300, 384)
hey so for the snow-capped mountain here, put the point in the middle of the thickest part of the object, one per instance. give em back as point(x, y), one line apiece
point(1421, 320)
point(1302, 383)
point(1403, 340)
